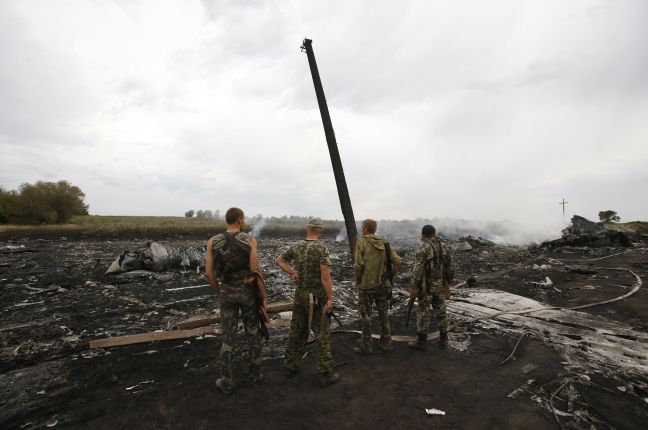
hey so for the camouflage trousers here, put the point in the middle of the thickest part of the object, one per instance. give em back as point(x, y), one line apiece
point(241, 299)
point(434, 300)
point(299, 334)
point(366, 299)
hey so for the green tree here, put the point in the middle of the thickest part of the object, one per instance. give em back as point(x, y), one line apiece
point(44, 203)
point(609, 216)
point(190, 213)
point(6, 200)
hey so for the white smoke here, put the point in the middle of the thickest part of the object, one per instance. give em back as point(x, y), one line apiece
point(258, 226)
point(341, 236)
point(501, 232)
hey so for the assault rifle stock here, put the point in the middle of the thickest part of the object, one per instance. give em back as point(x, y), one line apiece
point(410, 305)
point(255, 280)
point(262, 317)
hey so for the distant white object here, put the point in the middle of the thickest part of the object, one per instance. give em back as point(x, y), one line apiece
point(434, 411)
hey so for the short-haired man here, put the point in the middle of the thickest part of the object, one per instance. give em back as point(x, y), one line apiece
point(432, 262)
point(375, 263)
point(231, 256)
point(313, 302)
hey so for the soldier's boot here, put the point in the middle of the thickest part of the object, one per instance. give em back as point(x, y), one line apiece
point(360, 350)
point(443, 340)
point(224, 386)
point(256, 378)
point(329, 378)
point(289, 372)
point(420, 344)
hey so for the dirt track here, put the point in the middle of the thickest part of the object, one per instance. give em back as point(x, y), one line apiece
point(54, 296)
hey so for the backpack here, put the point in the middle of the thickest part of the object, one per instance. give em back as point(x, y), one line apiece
point(230, 255)
point(440, 266)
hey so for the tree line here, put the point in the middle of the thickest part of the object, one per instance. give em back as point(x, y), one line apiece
point(41, 203)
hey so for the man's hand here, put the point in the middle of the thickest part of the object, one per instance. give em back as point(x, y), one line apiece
point(413, 293)
point(295, 278)
point(328, 308)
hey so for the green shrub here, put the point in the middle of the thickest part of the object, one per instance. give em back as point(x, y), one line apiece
point(42, 203)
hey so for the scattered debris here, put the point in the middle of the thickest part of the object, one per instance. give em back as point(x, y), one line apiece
point(512, 355)
point(139, 385)
point(463, 246)
point(157, 257)
point(515, 393)
point(585, 232)
point(544, 284)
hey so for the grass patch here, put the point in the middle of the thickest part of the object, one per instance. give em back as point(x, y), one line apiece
point(149, 226)
point(634, 227)
point(109, 226)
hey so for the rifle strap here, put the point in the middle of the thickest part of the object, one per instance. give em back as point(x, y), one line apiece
point(236, 247)
point(388, 256)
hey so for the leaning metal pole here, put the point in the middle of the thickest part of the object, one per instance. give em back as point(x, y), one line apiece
point(338, 172)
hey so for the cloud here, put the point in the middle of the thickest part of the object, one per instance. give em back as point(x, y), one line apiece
point(441, 109)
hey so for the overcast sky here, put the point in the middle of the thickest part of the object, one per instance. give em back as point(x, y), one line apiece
point(482, 110)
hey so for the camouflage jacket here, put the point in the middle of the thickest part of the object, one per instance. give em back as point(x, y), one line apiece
point(231, 266)
point(432, 257)
point(371, 261)
point(307, 256)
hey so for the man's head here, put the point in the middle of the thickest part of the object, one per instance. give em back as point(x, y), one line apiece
point(314, 227)
point(428, 231)
point(235, 216)
point(369, 226)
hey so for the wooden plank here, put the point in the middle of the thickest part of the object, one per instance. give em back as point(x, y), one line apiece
point(203, 320)
point(152, 337)
point(284, 305)
point(197, 321)
point(168, 335)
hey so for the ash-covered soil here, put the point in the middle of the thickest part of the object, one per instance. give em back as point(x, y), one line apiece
point(55, 297)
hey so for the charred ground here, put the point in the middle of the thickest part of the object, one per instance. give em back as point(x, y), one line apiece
point(55, 297)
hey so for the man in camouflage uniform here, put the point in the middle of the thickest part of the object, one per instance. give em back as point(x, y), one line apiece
point(374, 285)
point(230, 257)
point(313, 302)
point(432, 262)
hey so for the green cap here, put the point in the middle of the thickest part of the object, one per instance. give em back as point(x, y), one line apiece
point(315, 223)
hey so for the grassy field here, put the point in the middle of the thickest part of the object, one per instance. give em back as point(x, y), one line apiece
point(634, 227)
point(130, 226)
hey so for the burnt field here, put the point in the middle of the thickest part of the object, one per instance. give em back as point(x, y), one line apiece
point(578, 368)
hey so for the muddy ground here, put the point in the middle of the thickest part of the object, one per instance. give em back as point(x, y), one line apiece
point(55, 297)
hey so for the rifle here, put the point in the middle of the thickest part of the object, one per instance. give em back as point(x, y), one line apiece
point(335, 317)
point(253, 280)
point(422, 289)
point(410, 305)
point(446, 287)
point(389, 274)
point(261, 316)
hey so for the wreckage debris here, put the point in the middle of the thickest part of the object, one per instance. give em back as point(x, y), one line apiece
point(157, 257)
point(583, 232)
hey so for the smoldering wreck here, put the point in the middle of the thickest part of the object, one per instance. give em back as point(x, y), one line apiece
point(112, 333)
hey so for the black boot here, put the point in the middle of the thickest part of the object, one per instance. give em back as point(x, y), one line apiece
point(420, 344)
point(329, 378)
point(443, 340)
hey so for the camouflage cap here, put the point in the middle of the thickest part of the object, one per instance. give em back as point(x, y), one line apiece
point(315, 223)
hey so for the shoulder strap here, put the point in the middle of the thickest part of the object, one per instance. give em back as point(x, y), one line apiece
point(388, 256)
point(236, 247)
